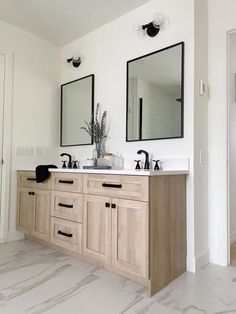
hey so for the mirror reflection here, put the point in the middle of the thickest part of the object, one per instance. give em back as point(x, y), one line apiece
point(155, 95)
point(77, 100)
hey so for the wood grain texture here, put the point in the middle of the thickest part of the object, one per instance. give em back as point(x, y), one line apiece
point(23, 180)
point(167, 230)
point(58, 199)
point(73, 243)
point(130, 236)
point(24, 209)
point(132, 187)
point(233, 254)
point(143, 238)
point(75, 182)
point(96, 227)
point(41, 214)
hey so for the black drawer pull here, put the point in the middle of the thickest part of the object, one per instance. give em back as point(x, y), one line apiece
point(31, 179)
point(68, 235)
point(66, 181)
point(65, 205)
point(113, 205)
point(107, 204)
point(111, 185)
point(31, 193)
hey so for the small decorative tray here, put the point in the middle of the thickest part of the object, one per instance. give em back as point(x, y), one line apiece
point(97, 167)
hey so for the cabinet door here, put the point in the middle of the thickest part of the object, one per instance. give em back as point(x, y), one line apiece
point(40, 215)
point(130, 236)
point(24, 207)
point(97, 227)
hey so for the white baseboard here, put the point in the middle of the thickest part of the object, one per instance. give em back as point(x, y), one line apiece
point(202, 260)
point(15, 235)
point(233, 237)
point(194, 264)
point(191, 264)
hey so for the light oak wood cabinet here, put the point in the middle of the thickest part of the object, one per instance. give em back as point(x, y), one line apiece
point(134, 226)
point(66, 234)
point(67, 205)
point(67, 211)
point(126, 187)
point(40, 214)
point(96, 227)
point(24, 209)
point(33, 206)
point(28, 178)
point(116, 232)
point(33, 212)
point(129, 246)
point(69, 182)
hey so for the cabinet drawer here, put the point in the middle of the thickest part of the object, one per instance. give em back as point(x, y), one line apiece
point(128, 187)
point(28, 178)
point(67, 182)
point(66, 234)
point(67, 205)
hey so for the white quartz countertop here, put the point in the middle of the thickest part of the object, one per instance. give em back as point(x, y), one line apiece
point(130, 172)
point(122, 172)
point(170, 166)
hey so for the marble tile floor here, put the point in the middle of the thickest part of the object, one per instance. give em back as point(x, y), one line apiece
point(35, 279)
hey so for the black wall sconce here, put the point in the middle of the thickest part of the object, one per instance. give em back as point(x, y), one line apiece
point(152, 29)
point(75, 60)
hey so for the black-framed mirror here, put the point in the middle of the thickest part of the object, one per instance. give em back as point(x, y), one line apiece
point(155, 95)
point(77, 106)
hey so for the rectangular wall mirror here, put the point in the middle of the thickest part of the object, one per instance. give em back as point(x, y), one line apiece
point(77, 105)
point(155, 95)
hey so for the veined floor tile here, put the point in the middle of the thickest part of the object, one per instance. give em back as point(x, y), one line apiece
point(35, 279)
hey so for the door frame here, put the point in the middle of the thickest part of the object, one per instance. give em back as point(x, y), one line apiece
point(7, 145)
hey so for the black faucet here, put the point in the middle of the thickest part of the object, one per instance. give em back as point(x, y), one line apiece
point(70, 159)
point(147, 163)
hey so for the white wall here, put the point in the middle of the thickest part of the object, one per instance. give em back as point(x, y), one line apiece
point(201, 134)
point(105, 53)
point(221, 20)
point(35, 102)
point(232, 135)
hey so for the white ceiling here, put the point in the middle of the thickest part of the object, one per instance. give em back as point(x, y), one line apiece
point(62, 21)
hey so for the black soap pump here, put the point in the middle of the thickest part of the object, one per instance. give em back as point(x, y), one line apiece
point(157, 167)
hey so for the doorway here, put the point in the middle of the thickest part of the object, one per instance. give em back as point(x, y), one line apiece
point(6, 88)
point(232, 144)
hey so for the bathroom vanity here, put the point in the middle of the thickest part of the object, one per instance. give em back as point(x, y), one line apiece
point(132, 223)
